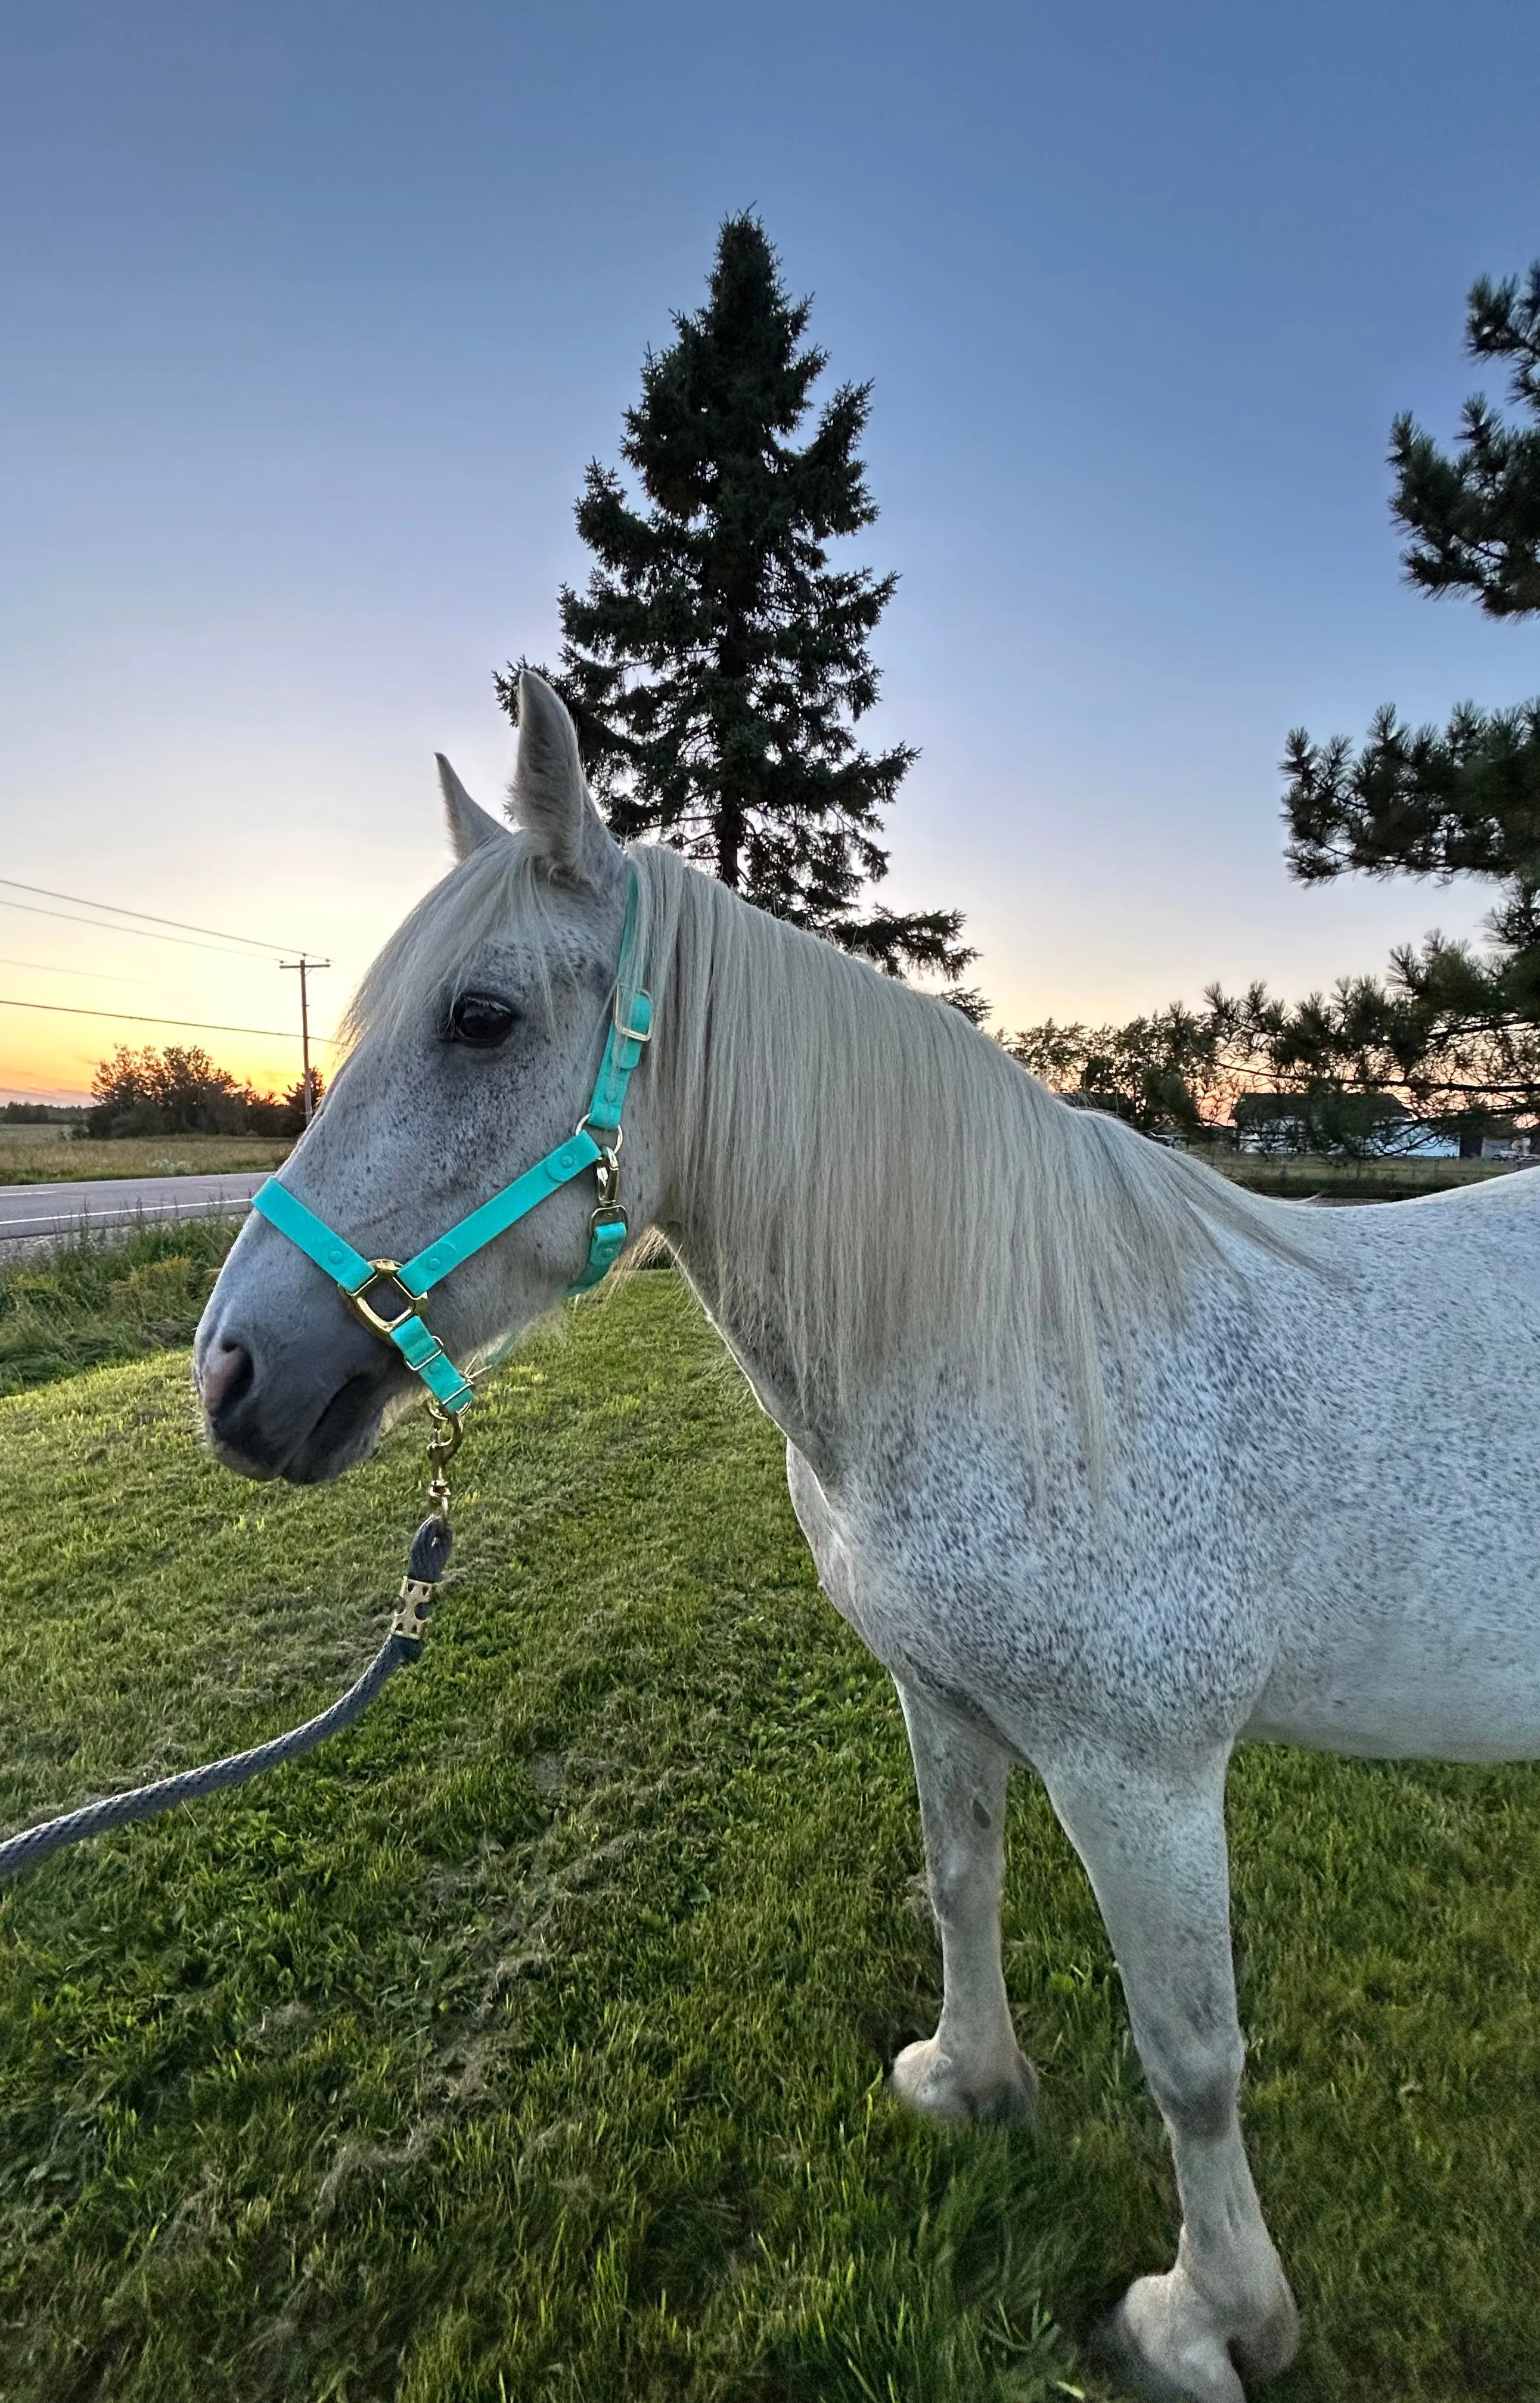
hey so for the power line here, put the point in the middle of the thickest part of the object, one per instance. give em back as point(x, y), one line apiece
point(141, 1018)
point(118, 909)
point(221, 950)
point(51, 967)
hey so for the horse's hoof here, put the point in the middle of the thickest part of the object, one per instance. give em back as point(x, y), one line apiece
point(1141, 2347)
point(931, 2082)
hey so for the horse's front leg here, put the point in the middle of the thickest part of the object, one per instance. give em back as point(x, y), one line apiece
point(971, 2067)
point(1152, 1844)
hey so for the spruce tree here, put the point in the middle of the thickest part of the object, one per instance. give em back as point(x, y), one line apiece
point(1463, 800)
point(716, 662)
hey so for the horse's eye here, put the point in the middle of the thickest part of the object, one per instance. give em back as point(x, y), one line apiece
point(480, 1019)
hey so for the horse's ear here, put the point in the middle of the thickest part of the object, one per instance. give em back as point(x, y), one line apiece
point(469, 825)
point(548, 796)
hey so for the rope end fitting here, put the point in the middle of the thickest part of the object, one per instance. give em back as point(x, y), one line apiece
point(411, 1622)
point(430, 1558)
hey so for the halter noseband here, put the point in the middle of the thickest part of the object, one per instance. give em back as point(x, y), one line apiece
point(385, 1294)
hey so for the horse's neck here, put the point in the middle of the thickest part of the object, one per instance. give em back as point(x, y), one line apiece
point(866, 1197)
point(766, 1363)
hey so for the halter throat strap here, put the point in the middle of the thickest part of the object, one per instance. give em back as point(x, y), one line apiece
point(385, 1294)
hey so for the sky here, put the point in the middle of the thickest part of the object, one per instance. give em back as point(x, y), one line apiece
point(314, 313)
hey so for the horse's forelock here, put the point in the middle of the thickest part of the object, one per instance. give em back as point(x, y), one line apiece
point(501, 889)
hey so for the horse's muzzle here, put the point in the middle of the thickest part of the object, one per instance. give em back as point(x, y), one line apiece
point(279, 1418)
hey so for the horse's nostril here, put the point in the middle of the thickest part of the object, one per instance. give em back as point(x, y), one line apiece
point(224, 1377)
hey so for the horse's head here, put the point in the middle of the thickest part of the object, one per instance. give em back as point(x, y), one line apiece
point(477, 1032)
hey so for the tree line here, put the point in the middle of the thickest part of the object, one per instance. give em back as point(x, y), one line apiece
point(1452, 1033)
point(717, 665)
point(180, 1091)
point(1342, 1068)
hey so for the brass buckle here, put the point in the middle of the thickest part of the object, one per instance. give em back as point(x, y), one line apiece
point(386, 1273)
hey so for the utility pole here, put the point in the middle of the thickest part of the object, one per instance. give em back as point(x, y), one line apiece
point(304, 964)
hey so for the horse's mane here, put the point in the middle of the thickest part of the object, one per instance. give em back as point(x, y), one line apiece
point(891, 1187)
point(871, 1183)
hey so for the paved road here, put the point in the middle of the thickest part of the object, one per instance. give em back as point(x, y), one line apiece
point(31, 1211)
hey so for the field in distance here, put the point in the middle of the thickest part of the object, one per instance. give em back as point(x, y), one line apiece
point(54, 1155)
point(1297, 1179)
point(32, 1155)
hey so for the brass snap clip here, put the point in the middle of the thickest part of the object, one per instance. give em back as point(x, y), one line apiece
point(448, 1435)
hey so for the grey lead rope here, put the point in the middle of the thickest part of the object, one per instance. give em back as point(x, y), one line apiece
point(430, 1554)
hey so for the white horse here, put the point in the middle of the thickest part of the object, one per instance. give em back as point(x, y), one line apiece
point(1109, 1463)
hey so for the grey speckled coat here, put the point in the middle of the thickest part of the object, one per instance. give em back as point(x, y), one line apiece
point(1315, 1518)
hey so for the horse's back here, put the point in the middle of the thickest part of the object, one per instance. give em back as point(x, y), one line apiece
point(1409, 1617)
point(1318, 1519)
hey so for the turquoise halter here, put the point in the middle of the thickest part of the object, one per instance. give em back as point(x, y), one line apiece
point(385, 1294)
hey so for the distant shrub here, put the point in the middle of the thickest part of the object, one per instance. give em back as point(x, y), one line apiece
point(181, 1091)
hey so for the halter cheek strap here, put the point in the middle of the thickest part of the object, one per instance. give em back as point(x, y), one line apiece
point(385, 1294)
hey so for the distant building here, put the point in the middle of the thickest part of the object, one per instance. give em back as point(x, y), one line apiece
point(1373, 1126)
point(1326, 1120)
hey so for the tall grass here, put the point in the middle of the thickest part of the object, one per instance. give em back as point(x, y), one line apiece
point(96, 1299)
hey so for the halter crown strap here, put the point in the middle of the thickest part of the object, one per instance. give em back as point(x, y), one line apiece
point(384, 1293)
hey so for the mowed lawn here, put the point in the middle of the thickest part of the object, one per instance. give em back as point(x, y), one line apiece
point(529, 2042)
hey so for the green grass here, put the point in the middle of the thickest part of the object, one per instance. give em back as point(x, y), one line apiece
point(529, 2042)
point(93, 1299)
point(31, 1155)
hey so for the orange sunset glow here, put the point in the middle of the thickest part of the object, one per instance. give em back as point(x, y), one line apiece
point(80, 975)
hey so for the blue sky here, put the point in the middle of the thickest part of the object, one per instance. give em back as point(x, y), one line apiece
point(315, 313)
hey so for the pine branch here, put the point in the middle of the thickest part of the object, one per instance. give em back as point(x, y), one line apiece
point(1474, 518)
